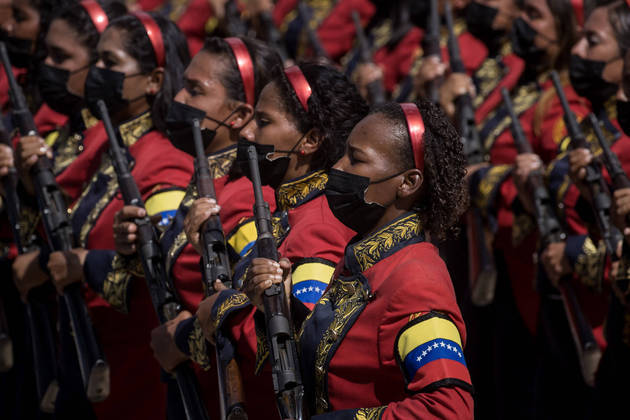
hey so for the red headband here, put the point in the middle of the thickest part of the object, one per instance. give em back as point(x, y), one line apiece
point(155, 35)
point(415, 125)
point(300, 85)
point(245, 67)
point(628, 3)
point(578, 10)
point(97, 14)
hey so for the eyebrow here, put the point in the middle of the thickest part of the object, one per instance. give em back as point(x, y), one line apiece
point(190, 82)
point(262, 114)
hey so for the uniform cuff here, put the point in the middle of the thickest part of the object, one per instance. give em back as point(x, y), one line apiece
point(587, 259)
point(374, 413)
point(484, 186)
point(190, 340)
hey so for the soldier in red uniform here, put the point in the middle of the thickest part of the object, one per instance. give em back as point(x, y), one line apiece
point(304, 117)
point(386, 339)
point(137, 74)
point(223, 81)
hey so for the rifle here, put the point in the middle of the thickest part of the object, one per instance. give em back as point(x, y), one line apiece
point(431, 47)
point(164, 303)
point(305, 15)
point(216, 266)
point(551, 231)
point(272, 35)
point(376, 95)
point(93, 367)
point(38, 322)
point(234, 23)
point(287, 380)
point(481, 271)
point(600, 198)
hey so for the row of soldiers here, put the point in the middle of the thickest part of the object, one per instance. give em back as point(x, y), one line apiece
point(198, 227)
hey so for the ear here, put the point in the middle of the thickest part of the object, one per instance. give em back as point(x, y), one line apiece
point(241, 116)
point(411, 185)
point(156, 79)
point(311, 143)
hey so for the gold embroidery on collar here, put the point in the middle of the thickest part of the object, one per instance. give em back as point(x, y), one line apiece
point(292, 193)
point(197, 346)
point(131, 131)
point(374, 413)
point(89, 120)
point(370, 250)
point(590, 264)
point(347, 297)
point(221, 163)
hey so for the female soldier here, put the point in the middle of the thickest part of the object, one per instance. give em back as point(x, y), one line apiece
point(137, 74)
point(222, 81)
point(390, 306)
point(302, 121)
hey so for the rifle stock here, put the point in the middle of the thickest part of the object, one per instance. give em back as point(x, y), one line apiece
point(94, 370)
point(376, 94)
point(216, 266)
point(287, 380)
point(163, 299)
point(551, 231)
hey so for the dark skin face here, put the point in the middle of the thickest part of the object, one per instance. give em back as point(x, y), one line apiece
point(276, 126)
point(64, 52)
point(203, 89)
point(540, 18)
point(113, 56)
point(598, 42)
point(23, 22)
point(371, 152)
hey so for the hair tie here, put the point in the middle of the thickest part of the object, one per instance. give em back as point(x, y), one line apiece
point(578, 10)
point(155, 35)
point(415, 125)
point(97, 14)
point(300, 85)
point(245, 67)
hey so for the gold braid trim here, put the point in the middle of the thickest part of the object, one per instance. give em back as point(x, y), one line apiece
point(292, 193)
point(590, 263)
point(67, 151)
point(522, 226)
point(117, 282)
point(487, 185)
point(262, 349)
point(28, 220)
point(197, 346)
point(112, 186)
point(489, 75)
point(234, 300)
point(370, 413)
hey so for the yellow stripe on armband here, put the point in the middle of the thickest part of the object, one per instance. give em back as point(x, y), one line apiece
point(51, 138)
point(244, 237)
point(425, 331)
point(313, 271)
point(164, 201)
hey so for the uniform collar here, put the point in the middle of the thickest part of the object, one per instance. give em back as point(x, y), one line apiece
point(366, 252)
point(298, 191)
point(220, 162)
point(132, 130)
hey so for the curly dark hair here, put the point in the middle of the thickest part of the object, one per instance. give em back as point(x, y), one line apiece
point(78, 19)
point(444, 196)
point(266, 61)
point(334, 108)
point(177, 58)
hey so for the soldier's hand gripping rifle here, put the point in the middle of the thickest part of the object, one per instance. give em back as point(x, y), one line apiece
point(216, 266)
point(164, 302)
point(431, 48)
point(551, 232)
point(304, 13)
point(93, 367)
point(600, 197)
point(482, 271)
point(38, 321)
point(285, 367)
point(376, 94)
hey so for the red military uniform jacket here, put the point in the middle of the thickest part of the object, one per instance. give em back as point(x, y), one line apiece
point(386, 340)
point(493, 190)
point(124, 337)
point(313, 240)
point(332, 20)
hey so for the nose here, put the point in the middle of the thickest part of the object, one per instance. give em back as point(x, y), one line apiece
point(580, 48)
point(342, 164)
point(181, 96)
point(249, 131)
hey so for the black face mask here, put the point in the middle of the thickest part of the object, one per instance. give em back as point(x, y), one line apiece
point(271, 171)
point(179, 126)
point(52, 83)
point(346, 198)
point(20, 51)
point(479, 19)
point(107, 85)
point(523, 43)
point(586, 79)
point(623, 116)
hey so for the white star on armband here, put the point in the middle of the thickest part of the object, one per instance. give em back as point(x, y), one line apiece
point(424, 353)
point(448, 346)
point(310, 289)
point(442, 344)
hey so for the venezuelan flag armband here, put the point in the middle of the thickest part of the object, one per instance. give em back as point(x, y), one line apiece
point(310, 279)
point(429, 352)
point(164, 203)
